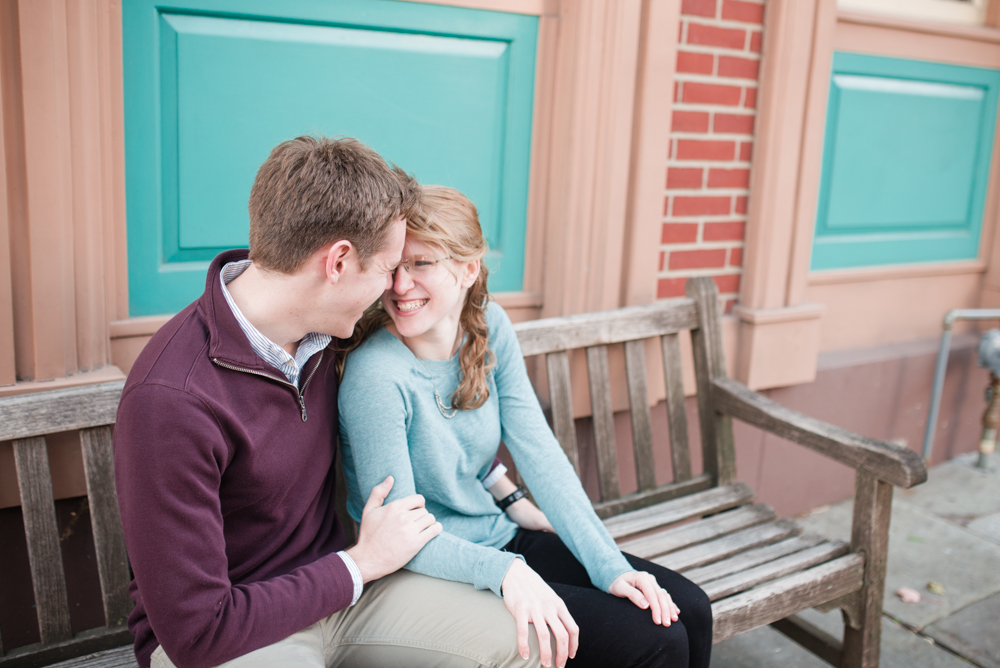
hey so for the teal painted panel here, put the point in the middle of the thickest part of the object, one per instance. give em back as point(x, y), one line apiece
point(444, 92)
point(905, 162)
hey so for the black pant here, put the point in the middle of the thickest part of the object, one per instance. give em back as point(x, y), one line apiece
point(614, 631)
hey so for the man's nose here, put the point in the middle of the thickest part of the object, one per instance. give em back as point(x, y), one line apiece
point(402, 283)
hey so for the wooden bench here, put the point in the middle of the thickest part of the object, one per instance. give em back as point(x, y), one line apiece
point(26, 420)
point(756, 568)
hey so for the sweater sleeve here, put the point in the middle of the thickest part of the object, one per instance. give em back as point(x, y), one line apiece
point(373, 440)
point(170, 454)
point(542, 463)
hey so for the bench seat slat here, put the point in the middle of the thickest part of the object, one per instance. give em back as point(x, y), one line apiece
point(780, 598)
point(720, 548)
point(708, 502)
point(704, 530)
point(42, 533)
point(109, 540)
point(791, 563)
point(750, 558)
point(639, 500)
point(538, 337)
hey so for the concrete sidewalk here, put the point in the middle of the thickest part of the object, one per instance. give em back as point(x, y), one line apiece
point(946, 531)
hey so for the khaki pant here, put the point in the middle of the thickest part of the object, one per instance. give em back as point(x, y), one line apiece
point(403, 619)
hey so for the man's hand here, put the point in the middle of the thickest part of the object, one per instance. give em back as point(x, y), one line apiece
point(390, 535)
point(642, 589)
point(530, 599)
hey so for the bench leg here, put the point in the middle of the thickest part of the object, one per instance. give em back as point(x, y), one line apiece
point(870, 535)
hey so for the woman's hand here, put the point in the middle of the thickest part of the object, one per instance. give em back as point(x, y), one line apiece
point(642, 589)
point(531, 600)
point(528, 516)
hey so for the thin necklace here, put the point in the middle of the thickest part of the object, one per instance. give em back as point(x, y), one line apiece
point(447, 411)
point(444, 409)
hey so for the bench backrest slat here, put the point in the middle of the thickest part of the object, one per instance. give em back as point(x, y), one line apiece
point(593, 329)
point(718, 452)
point(680, 452)
point(642, 428)
point(604, 422)
point(60, 410)
point(561, 399)
point(41, 530)
point(109, 540)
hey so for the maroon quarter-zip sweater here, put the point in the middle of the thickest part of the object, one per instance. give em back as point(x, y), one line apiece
point(226, 489)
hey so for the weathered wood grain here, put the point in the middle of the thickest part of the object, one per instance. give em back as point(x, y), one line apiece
point(561, 399)
point(42, 533)
point(810, 636)
point(642, 429)
point(89, 649)
point(639, 500)
point(718, 451)
point(686, 535)
point(28, 415)
point(780, 598)
point(109, 540)
point(750, 558)
point(726, 546)
point(710, 501)
point(889, 462)
point(791, 563)
point(604, 422)
point(538, 337)
point(680, 451)
point(869, 536)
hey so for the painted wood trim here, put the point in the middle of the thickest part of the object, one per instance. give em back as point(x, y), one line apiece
point(811, 149)
point(867, 274)
point(589, 158)
point(785, 73)
point(530, 7)
point(8, 373)
point(48, 277)
point(650, 147)
point(985, 33)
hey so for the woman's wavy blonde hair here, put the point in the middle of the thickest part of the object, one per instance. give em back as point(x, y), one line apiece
point(448, 221)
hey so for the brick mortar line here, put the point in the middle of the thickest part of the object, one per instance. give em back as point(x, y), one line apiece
point(670, 247)
point(707, 50)
point(714, 79)
point(721, 22)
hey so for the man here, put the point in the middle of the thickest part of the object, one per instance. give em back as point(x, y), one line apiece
point(225, 442)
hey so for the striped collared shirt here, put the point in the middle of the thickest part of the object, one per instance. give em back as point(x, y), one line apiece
point(278, 357)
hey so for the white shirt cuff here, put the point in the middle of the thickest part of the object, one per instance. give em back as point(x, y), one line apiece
point(494, 475)
point(359, 584)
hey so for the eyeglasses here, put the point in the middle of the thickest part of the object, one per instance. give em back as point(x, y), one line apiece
point(419, 264)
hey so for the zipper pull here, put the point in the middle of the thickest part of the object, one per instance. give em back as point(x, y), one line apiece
point(302, 403)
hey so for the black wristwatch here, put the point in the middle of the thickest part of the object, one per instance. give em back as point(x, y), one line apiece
point(517, 494)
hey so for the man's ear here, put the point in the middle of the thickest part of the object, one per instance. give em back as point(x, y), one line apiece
point(336, 259)
point(471, 273)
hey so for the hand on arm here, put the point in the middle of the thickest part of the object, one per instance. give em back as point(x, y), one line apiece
point(523, 512)
point(531, 600)
point(642, 589)
point(391, 534)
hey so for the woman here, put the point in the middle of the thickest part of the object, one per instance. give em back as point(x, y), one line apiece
point(437, 382)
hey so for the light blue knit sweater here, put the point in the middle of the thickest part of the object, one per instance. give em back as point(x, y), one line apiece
point(390, 424)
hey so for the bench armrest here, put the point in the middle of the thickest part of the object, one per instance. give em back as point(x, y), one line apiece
point(892, 463)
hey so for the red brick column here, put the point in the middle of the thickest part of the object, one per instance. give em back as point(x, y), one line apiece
point(711, 142)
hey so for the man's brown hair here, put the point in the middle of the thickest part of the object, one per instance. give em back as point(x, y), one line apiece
point(313, 191)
